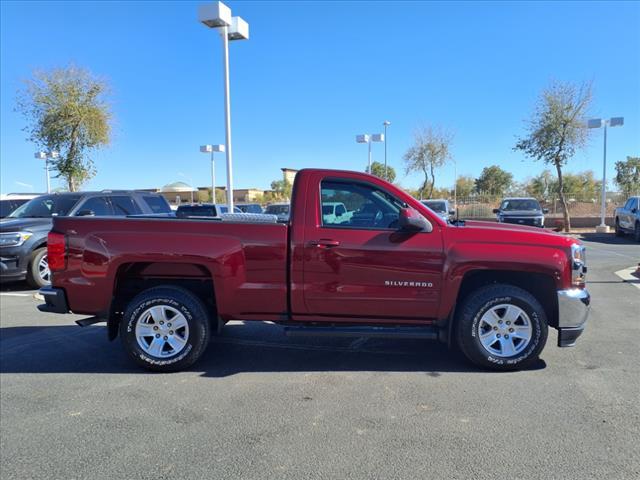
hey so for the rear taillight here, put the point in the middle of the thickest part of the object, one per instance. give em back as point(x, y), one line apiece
point(56, 251)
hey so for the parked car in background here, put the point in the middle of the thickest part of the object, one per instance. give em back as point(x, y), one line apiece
point(203, 210)
point(249, 207)
point(521, 211)
point(10, 201)
point(280, 210)
point(335, 213)
point(627, 218)
point(440, 206)
point(23, 234)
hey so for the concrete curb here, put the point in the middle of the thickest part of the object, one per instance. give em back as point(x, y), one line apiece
point(630, 275)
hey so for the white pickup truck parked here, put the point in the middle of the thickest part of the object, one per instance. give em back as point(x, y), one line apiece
point(628, 218)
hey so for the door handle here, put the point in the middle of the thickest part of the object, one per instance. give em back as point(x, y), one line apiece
point(324, 243)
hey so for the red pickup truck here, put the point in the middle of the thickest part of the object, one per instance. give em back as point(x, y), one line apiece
point(357, 257)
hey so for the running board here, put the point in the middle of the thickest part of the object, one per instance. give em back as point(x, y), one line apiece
point(85, 322)
point(424, 333)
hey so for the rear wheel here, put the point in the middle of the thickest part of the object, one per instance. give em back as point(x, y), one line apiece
point(501, 327)
point(38, 273)
point(165, 329)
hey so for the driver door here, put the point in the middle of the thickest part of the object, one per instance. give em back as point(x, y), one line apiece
point(358, 264)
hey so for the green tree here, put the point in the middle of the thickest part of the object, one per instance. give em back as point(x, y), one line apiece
point(378, 170)
point(541, 186)
point(66, 111)
point(465, 185)
point(430, 151)
point(628, 176)
point(583, 185)
point(281, 189)
point(557, 129)
point(494, 180)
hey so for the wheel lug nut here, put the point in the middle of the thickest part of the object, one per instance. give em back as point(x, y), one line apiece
point(506, 336)
point(155, 328)
point(499, 321)
point(511, 329)
point(508, 322)
point(169, 325)
point(165, 337)
point(161, 322)
point(495, 328)
point(498, 335)
point(170, 332)
point(157, 335)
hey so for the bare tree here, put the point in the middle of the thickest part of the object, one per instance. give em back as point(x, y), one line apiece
point(429, 152)
point(557, 129)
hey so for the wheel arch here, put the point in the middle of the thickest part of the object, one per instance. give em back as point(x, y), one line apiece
point(540, 285)
point(135, 277)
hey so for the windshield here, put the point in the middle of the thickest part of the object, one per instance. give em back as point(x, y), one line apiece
point(520, 204)
point(46, 206)
point(438, 207)
point(277, 209)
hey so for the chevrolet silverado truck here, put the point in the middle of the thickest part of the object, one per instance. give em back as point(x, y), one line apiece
point(386, 267)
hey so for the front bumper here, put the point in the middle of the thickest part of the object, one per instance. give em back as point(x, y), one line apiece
point(55, 300)
point(573, 311)
point(527, 221)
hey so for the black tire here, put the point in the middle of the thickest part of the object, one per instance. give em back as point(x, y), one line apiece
point(619, 232)
point(34, 275)
point(468, 324)
point(636, 232)
point(175, 299)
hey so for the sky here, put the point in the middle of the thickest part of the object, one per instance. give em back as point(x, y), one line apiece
point(315, 74)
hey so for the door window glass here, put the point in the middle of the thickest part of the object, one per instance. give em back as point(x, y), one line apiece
point(124, 205)
point(98, 205)
point(358, 206)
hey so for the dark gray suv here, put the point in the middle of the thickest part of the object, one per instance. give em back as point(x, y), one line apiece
point(23, 234)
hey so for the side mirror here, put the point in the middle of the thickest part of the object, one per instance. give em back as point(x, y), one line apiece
point(634, 210)
point(411, 221)
point(86, 213)
point(496, 210)
point(545, 210)
point(452, 212)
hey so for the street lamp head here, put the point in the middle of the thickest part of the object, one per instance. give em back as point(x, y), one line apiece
point(214, 15)
point(362, 138)
point(238, 30)
point(386, 123)
point(54, 154)
point(594, 123)
point(377, 137)
point(616, 121)
point(40, 155)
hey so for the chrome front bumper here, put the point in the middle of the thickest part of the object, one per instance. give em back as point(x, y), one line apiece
point(573, 310)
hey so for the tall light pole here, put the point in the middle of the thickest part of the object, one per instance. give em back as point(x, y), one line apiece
point(368, 139)
point(386, 123)
point(455, 185)
point(211, 149)
point(46, 156)
point(218, 15)
point(600, 123)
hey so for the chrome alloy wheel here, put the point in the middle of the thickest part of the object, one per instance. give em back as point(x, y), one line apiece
point(505, 330)
point(43, 269)
point(162, 331)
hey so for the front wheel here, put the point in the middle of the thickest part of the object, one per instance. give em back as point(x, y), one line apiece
point(618, 230)
point(501, 327)
point(165, 329)
point(38, 273)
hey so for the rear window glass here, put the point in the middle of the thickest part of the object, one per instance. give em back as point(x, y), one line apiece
point(157, 204)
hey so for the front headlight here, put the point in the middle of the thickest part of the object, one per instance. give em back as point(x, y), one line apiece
point(14, 239)
point(578, 265)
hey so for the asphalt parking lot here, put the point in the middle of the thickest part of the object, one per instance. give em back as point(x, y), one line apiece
point(260, 405)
